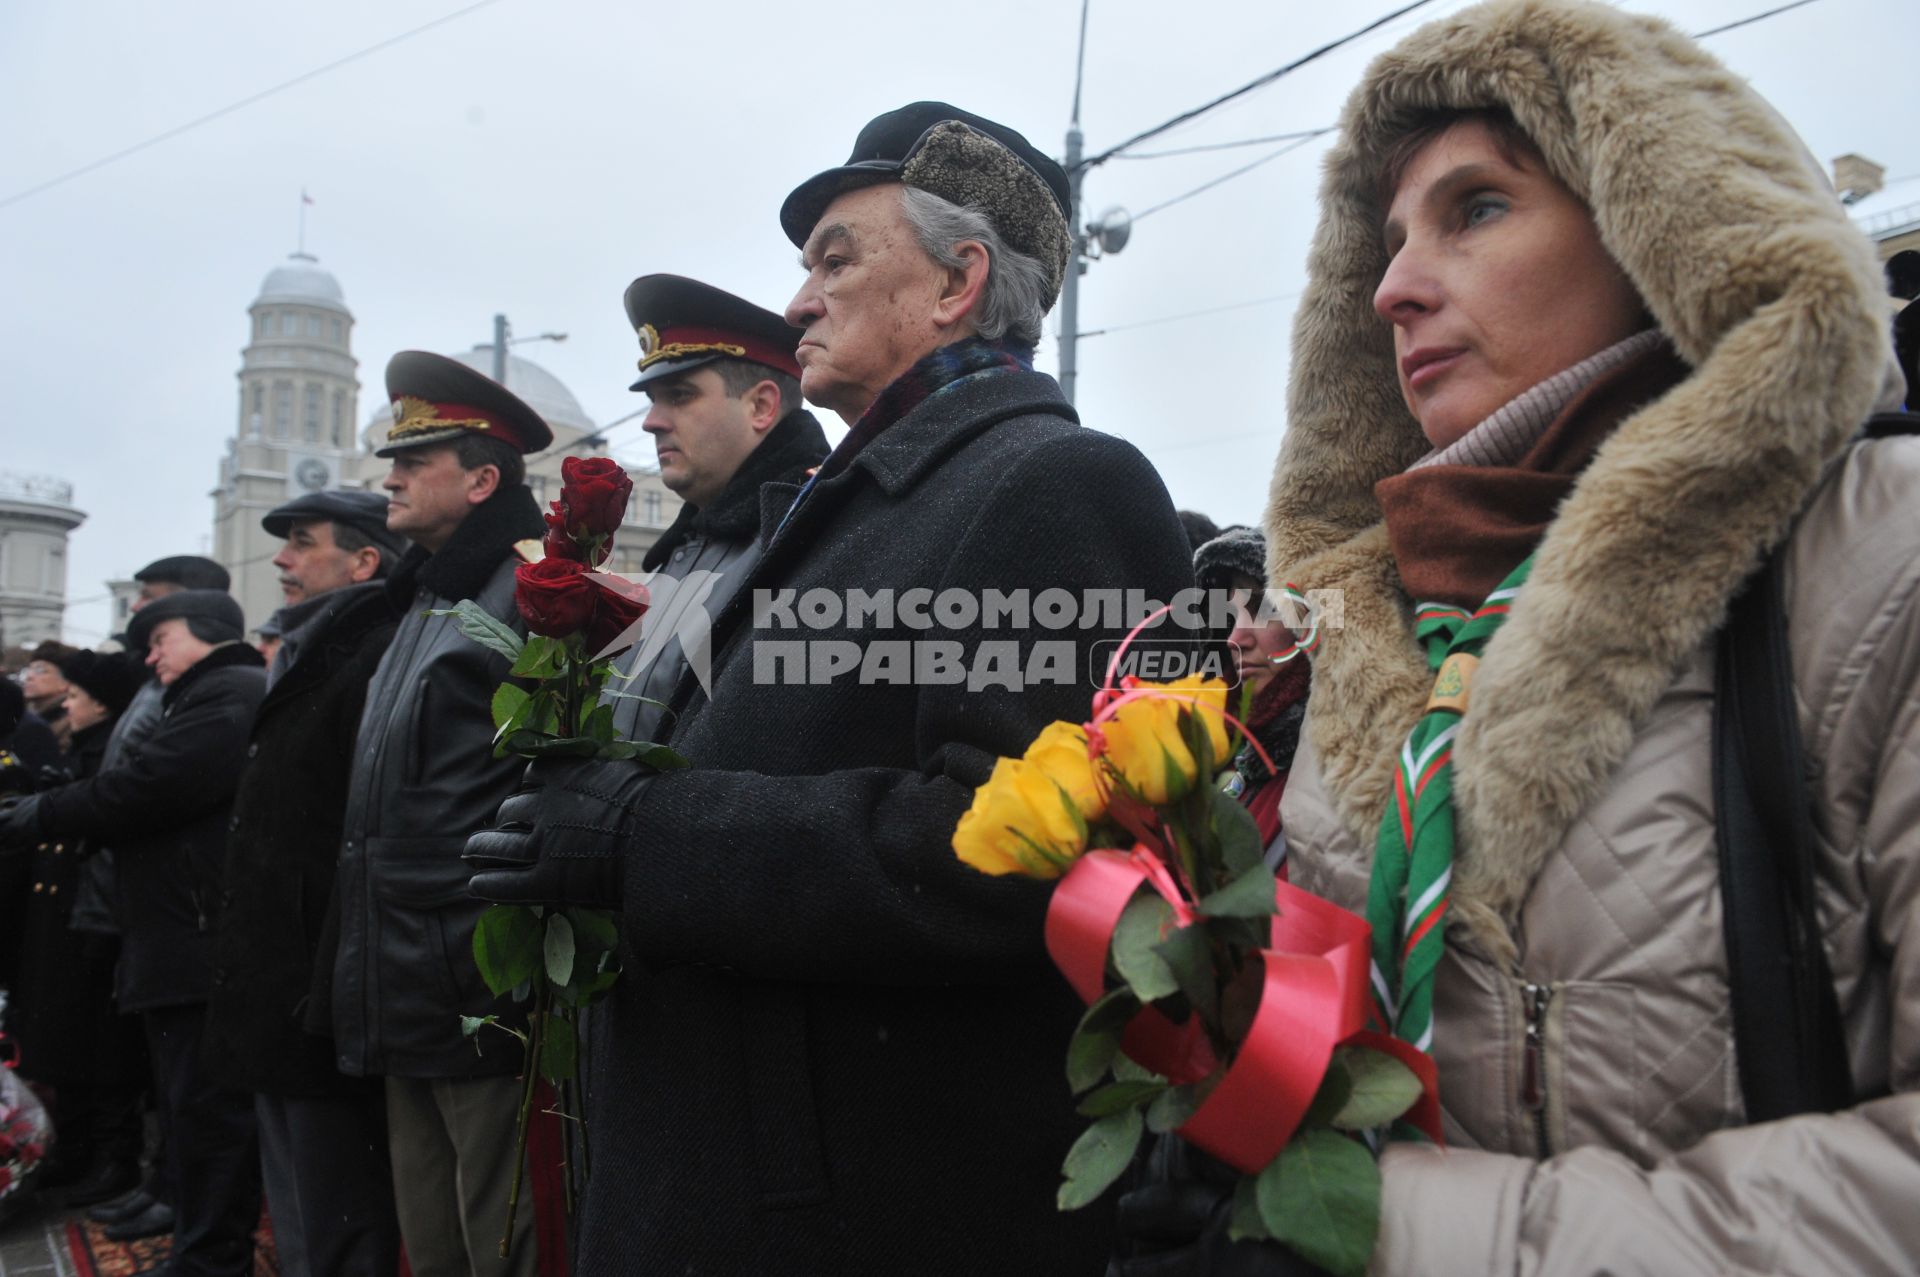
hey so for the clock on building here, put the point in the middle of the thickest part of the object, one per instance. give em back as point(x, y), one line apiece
point(312, 474)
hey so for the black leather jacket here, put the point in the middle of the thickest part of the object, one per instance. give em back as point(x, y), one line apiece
point(424, 777)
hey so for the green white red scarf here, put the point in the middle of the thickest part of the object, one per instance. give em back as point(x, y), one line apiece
point(1413, 863)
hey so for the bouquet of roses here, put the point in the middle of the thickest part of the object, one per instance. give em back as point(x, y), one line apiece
point(579, 618)
point(1224, 1005)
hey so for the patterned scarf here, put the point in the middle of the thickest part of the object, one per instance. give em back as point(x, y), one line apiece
point(1413, 863)
point(935, 372)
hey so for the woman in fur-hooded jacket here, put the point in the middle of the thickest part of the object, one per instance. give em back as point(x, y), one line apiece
point(1579, 301)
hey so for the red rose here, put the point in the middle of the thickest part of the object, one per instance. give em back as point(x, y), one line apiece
point(618, 603)
point(554, 596)
point(594, 491)
point(558, 544)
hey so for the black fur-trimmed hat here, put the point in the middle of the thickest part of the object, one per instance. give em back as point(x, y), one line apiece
point(963, 158)
point(109, 677)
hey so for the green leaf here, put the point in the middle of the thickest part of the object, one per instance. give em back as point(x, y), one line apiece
point(1111, 1010)
point(1321, 1197)
point(1199, 741)
point(599, 725)
point(593, 929)
point(1249, 895)
point(658, 757)
point(1143, 925)
point(1175, 1107)
point(1190, 957)
point(559, 1050)
point(472, 1024)
point(509, 705)
point(558, 949)
point(540, 657)
point(483, 628)
point(1237, 832)
point(1244, 1222)
point(506, 947)
point(1335, 1089)
point(1125, 1070)
point(1088, 1056)
point(537, 744)
point(1115, 1096)
point(1099, 1157)
point(1382, 1089)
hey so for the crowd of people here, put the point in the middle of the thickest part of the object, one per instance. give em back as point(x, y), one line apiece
point(1588, 357)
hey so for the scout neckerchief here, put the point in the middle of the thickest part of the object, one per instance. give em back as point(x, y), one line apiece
point(1413, 863)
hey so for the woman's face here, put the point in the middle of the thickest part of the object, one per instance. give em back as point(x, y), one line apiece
point(1497, 281)
point(83, 711)
point(1254, 644)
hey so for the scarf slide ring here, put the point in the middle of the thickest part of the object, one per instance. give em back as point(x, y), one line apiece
point(1314, 999)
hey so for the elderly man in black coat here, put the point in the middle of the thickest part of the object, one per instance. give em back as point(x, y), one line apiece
point(837, 1049)
point(163, 805)
point(323, 1135)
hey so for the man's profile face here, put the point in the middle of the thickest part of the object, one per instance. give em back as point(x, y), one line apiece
point(429, 493)
point(867, 303)
point(311, 563)
point(701, 434)
point(173, 649)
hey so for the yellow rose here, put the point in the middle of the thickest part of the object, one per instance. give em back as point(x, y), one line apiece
point(1021, 822)
point(1061, 752)
point(1144, 743)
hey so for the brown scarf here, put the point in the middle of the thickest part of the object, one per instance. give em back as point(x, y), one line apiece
point(1458, 530)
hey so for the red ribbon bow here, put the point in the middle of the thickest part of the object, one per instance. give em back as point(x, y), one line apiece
point(1314, 999)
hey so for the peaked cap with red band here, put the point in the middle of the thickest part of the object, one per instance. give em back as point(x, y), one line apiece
point(437, 400)
point(683, 323)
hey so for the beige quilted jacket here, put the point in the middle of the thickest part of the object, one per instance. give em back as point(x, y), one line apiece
point(1582, 1029)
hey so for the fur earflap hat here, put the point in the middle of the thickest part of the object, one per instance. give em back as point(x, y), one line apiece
point(963, 158)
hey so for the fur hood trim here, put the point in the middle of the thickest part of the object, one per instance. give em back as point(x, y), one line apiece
point(1747, 262)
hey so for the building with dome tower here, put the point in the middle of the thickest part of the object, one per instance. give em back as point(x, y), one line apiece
point(298, 395)
point(298, 402)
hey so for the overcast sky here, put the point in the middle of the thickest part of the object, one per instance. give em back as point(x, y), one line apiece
point(533, 157)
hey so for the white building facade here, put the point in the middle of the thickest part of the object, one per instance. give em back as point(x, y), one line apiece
point(36, 516)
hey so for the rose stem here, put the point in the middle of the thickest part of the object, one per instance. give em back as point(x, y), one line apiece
point(536, 1038)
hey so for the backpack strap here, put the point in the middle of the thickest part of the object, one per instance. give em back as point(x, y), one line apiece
point(1788, 1039)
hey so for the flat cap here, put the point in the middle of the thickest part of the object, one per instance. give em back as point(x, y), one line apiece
point(683, 323)
point(963, 158)
point(437, 400)
point(188, 571)
point(220, 616)
point(364, 512)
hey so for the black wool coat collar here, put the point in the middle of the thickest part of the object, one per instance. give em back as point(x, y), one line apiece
point(471, 556)
point(795, 445)
point(222, 657)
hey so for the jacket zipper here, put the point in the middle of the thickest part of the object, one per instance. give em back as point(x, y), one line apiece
point(1533, 1082)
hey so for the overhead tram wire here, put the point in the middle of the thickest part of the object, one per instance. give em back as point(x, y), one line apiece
point(231, 107)
point(1093, 161)
point(1224, 178)
point(1758, 17)
point(1227, 146)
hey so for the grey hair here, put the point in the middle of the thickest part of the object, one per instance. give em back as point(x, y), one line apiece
point(1013, 303)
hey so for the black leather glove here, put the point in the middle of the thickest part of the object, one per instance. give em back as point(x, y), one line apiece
point(561, 839)
point(19, 822)
point(1175, 1223)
